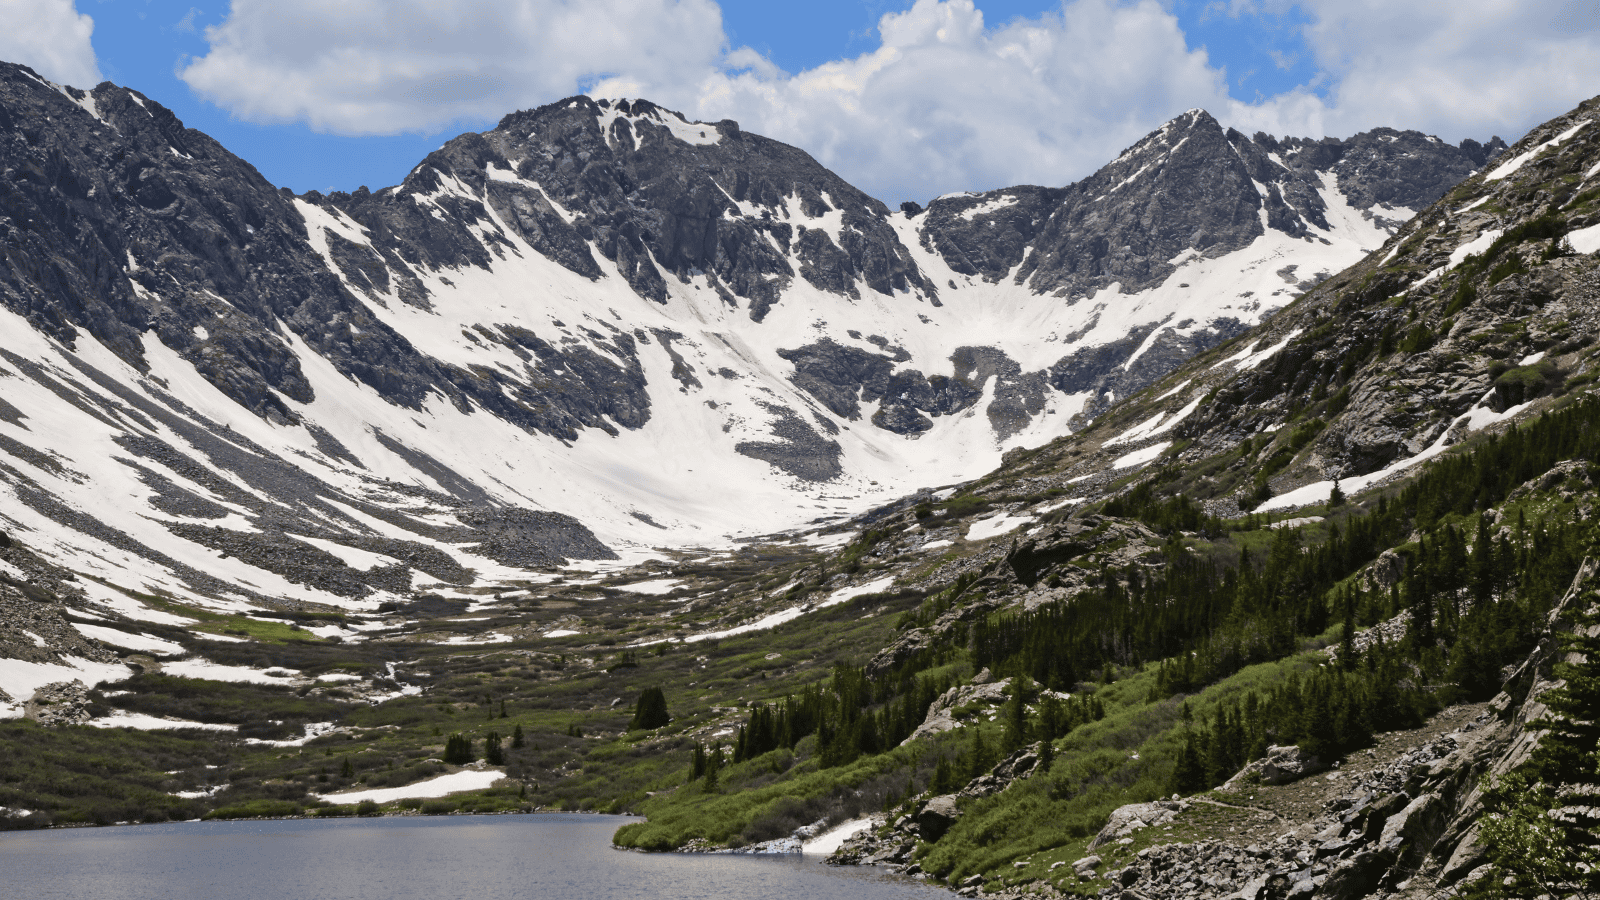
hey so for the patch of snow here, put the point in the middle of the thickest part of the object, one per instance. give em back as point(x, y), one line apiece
point(1059, 504)
point(473, 640)
point(362, 560)
point(996, 525)
point(828, 540)
point(1181, 385)
point(1585, 240)
point(849, 593)
point(20, 678)
point(1476, 245)
point(123, 719)
point(761, 624)
point(1140, 457)
point(561, 632)
point(1157, 425)
point(989, 207)
point(1317, 492)
point(656, 587)
point(830, 840)
point(313, 730)
point(935, 545)
point(210, 671)
point(145, 642)
point(1510, 166)
point(121, 603)
point(1249, 358)
point(1531, 358)
point(455, 782)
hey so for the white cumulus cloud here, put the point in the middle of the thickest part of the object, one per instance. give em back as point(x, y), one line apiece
point(385, 66)
point(946, 101)
point(52, 38)
point(1467, 68)
point(949, 103)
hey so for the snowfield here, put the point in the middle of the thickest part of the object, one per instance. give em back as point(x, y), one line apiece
point(443, 785)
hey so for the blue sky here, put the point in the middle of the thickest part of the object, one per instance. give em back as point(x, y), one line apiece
point(906, 99)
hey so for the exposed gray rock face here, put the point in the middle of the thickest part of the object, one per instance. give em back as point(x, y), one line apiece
point(1190, 185)
point(939, 716)
point(799, 450)
point(645, 199)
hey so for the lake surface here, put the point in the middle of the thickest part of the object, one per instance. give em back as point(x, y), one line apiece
point(429, 858)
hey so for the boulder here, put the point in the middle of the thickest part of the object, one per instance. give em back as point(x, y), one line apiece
point(1281, 765)
point(1125, 820)
point(937, 816)
point(1388, 568)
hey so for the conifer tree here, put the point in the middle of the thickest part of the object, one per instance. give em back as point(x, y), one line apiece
point(1542, 829)
point(650, 711)
point(1016, 721)
point(458, 750)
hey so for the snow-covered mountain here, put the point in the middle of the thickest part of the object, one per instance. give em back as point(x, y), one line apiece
point(595, 329)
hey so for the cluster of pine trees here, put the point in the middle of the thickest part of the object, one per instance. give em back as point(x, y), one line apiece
point(1218, 619)
point(1329, 713)
point(850, 715)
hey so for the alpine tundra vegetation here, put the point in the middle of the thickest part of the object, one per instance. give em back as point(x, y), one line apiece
point(1220, 525)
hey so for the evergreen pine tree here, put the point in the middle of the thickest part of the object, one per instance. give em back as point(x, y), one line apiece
point(1016, 721)
point(1542, 830)
point(650, 711)
point(458, 750)
point(517, 740)
point(492, 754)
point(1347, 637)
point(1189, 776)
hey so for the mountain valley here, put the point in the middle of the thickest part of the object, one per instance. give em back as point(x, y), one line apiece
point(1205, 528)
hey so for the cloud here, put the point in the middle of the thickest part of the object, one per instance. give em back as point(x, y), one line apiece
point(51, 37)
point(386, 66)
point(1468, 68)
point(944, 102)
point(947, 103)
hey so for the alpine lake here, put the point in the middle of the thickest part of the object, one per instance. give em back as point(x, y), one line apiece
point(549, 855)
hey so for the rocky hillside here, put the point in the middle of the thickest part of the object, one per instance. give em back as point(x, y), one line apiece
point(1288, 578)
point(593, 330)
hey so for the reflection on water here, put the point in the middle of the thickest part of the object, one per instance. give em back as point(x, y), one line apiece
point(437, 858)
